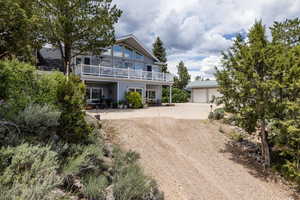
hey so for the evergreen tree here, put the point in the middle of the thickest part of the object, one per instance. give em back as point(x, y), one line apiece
point(183, 76)
point(199, 78)
point(78, 26)
point(18, 29)
point(246, 84)
point(160, 53)
point(287, 32)
point(286, 128)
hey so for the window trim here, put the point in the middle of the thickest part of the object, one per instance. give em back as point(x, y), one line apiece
point(122, 51)
point(89, 57)
point(152, 90)
point(135, 88)
point(91, 92)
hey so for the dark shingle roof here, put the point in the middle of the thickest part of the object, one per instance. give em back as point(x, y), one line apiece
point(50, 53)
point(202, 84)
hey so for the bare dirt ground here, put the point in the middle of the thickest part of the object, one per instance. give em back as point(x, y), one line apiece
point(189, 157)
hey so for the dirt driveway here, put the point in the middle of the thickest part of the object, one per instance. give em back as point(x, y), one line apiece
point(188, 157)
point(179, 111)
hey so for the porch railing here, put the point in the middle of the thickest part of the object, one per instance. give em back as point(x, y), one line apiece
point(125, 73)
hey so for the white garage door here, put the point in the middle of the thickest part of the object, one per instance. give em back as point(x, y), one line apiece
point(213, 92)
point(199, 96)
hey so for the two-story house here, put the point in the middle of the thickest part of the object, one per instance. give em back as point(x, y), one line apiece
point(126, 66)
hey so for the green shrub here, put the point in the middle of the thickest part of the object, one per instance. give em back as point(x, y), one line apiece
point(22, 85)
point(38, 120)
point(17, 86)
point(29, 172)
point(178, 95)
point(131, 183)
point(72, 125)
point(94, 187)
point(217, 114)
point(83, 156)
point(291, 171)
point(134, 99)
point(238, 137)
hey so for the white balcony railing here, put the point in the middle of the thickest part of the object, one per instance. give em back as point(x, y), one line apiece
point(101, 71)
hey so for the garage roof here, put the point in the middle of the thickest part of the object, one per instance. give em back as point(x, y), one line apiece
point(202, 84)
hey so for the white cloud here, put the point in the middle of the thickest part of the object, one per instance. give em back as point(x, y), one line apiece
point(195, 30)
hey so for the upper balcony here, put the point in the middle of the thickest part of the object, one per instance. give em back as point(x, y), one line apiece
point(123, 73)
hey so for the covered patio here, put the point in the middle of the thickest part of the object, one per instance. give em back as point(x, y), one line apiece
point(101, 94)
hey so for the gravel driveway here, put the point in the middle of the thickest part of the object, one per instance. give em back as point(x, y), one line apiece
point(188, 156)
point(179, 111)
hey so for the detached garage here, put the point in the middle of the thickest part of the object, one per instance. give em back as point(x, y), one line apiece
point(203, 91)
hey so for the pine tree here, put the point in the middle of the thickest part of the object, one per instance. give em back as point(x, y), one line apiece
point(246, 85)
point(160, 53)
point(199, 78)
point(286, 128)
point(18, 30)
point(183, 76)
point(76, 27)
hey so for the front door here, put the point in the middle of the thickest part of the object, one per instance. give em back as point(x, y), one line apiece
point(151, 96)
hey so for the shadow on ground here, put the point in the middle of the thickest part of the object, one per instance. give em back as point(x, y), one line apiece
point(256, 169)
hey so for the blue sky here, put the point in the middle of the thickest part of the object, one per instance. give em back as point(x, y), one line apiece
point(197, 31)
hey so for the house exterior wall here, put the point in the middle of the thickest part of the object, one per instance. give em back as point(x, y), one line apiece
point(119, 61)
point(112, 85)
point(158, 90)
point(125, 85)
point(109, 89)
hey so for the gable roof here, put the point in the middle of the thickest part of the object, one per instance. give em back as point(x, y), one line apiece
point(203, 84)
point(134, 42)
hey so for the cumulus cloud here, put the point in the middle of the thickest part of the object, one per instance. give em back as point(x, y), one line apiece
point(196, 31)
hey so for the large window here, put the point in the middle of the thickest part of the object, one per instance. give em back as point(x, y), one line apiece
point(118, 63)
point(151, 95)
point(129, 65)
point(138, 66)
point(106, 61)
point(78, 60)
point(94, 93)
point(139, 90)
point(139, 56)
point(155, 68)
point(128, 53)
point(107, 52)
point(87, 60)
point(118, 51)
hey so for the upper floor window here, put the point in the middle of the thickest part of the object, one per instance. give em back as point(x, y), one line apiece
point(138, 66)
point(138, 56)
point(87, 60)
point(107, 52)
point(128, 53)
point(78, 60)
point(118, 51)
point(155, 68)
point(106, 61)
point(119, 63)
point(129, 65)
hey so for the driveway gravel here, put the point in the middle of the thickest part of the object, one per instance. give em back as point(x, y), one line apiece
point(187, 156)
